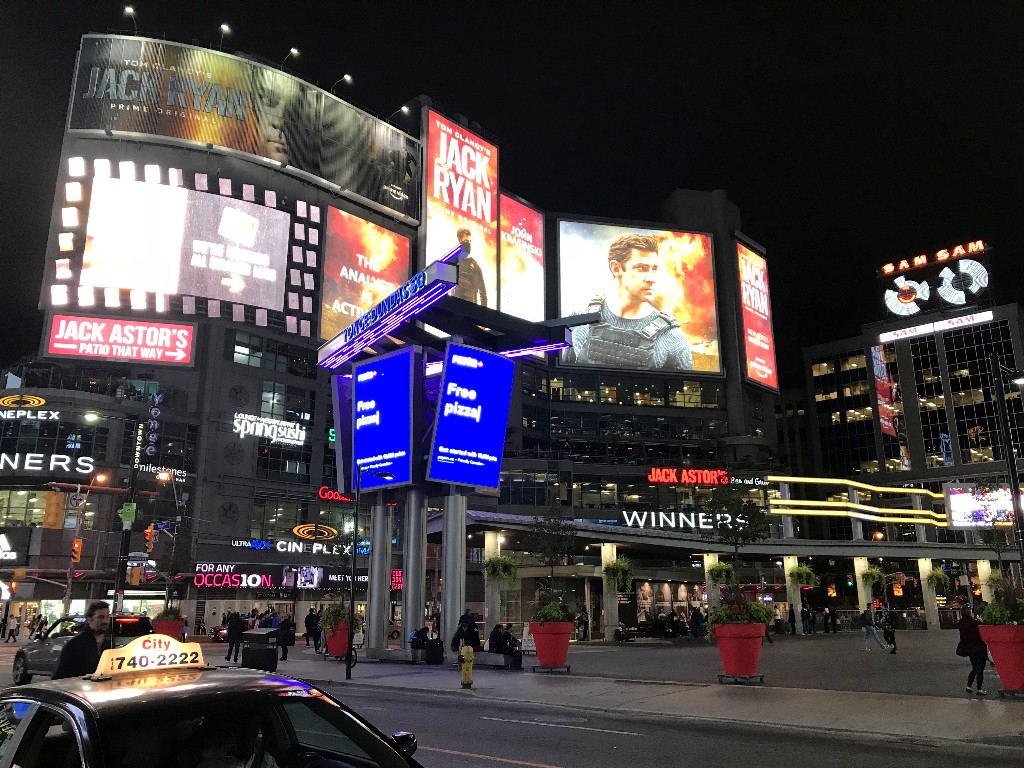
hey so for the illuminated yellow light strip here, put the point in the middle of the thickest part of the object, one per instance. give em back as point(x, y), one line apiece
point(864, 507)
point(861, 516)
point(853, 484)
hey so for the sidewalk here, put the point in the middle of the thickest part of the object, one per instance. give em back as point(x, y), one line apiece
point(959, 723)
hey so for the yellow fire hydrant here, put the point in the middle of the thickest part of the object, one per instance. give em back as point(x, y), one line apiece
point(466, 666)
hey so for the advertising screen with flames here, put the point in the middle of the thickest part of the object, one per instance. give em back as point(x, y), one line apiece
point(363, 263)
point(462, 193)
point(654, 289)
point(522, 260)
point(756, 308)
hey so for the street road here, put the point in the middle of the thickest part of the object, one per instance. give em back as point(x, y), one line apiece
point(475, 732)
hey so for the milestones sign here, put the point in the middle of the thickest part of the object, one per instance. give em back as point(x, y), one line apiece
point(472, 414)
point(382, 418)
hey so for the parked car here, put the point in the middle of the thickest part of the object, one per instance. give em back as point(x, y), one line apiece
point(219, 634)
point(39, 657)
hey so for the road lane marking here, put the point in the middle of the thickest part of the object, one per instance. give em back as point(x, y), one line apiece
point(559, 725)
point(487, 757)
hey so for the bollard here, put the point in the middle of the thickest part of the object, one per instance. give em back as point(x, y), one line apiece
point(466, 666)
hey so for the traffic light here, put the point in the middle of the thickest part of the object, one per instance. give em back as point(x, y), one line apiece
point(76, 551)
point(53, 514)
point(150, 538)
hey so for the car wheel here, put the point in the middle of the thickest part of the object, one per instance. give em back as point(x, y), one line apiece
point(20, 670)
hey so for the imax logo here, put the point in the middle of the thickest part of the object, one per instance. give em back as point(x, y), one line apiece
point(467, 362)
point(252, 543)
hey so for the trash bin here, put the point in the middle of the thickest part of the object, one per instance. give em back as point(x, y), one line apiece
point(259, 649)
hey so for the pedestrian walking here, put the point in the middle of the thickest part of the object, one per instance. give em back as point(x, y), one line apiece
point(973, 647)
point(286, 635)
point(312, 627)
point(868, 623)
point(805, 620)
point(889, 630)
point(778, 621)
point(584, 624)
point(13, 629)
point(835, 622)
point(826, 616)
point(792, 620)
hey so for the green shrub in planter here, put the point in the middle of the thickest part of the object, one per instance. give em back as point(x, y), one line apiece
point(335, 614)
point(171, 613)
point(720, 573)
point(937, 580)
point(554, 611)
point(872, 576)
point(741, 613)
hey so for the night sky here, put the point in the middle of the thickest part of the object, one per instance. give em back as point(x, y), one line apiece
point(848, 134)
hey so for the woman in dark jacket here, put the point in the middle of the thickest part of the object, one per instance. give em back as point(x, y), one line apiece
point(286, 636)
point(977, 651)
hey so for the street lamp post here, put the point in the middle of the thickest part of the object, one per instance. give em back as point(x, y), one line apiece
point(349, 656)
point(997, 370)
point(99, 477)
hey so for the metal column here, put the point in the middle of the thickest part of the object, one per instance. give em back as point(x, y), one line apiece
point(454, 553)
point(378, 588)
point(414, 565)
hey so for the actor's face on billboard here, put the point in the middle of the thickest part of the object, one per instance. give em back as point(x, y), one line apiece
point(637, 274)
point(273, 134)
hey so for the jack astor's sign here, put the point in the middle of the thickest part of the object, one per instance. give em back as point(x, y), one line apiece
point(688, 476)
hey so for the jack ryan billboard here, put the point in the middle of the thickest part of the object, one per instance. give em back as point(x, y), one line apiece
point(462, 196)
point(756, 310)
point(163, 89)
point(654, 290)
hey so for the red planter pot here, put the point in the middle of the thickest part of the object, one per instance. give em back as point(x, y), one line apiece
point(739, 645)
point(337, 643)
point(169, 627)
point(1006, 644)
point(552, 641)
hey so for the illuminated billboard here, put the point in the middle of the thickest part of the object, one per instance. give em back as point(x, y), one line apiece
point(947, 279)
point(884, 389)
point(110, 338)
point(172, 240)
point(976, 506)
point(756, 311)
point(472, 415)
point(382, 419)
point(654, 289)
point(130, 85)
point(461, 178)
point(521, 256)
point(363, 263)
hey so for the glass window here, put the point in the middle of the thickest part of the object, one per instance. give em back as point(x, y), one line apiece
point(49, 740)
point(12, 715)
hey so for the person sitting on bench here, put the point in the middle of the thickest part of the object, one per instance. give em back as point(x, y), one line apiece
point(509, 646)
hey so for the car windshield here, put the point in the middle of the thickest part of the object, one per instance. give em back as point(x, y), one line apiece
point(124, 626)
point(274, 728)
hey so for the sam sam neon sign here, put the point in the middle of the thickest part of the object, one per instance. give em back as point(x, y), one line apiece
point(924, 259)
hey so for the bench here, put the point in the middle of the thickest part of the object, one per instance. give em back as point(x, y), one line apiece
point(486, 659)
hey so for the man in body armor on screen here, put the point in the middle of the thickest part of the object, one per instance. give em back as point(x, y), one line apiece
point(471, 277)
point(632, 333)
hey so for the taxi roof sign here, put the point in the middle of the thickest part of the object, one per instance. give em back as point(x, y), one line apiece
point(149, 653)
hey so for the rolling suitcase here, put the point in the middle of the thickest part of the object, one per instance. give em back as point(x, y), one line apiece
point(435, 651)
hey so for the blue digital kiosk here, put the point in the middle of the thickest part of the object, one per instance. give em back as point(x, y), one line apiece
point(402, 445)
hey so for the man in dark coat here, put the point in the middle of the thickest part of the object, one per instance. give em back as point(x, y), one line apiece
point(81, 654)
point(286, 636)
point(236, 627)
point(312, 627)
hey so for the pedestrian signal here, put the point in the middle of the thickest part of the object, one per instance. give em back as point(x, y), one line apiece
point(53, 514)
point(76, 551)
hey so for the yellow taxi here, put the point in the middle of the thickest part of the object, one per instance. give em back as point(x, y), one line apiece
point(156, 704)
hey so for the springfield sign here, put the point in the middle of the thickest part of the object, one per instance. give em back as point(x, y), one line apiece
point(275, 430)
